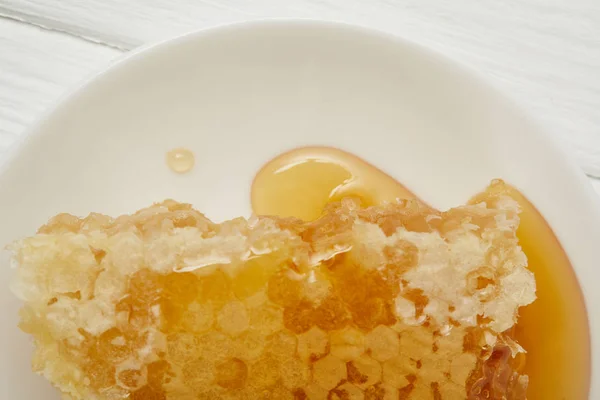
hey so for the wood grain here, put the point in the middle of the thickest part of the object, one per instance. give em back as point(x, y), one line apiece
point(36, 67)
point(545, 54)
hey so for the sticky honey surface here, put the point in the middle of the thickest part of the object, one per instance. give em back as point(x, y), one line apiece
point(370, 297)
point(554, 329)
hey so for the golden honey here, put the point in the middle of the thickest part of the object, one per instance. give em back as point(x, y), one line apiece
point(554, 329)
point(180, 160)
point(393, 301)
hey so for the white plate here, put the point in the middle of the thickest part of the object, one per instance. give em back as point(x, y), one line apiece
point(239, 95)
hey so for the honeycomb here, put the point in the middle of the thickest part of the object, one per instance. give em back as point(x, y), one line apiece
point(389, 302)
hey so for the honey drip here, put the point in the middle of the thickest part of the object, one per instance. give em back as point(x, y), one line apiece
point(554, 329)
point(180, 160)
point(300, 183)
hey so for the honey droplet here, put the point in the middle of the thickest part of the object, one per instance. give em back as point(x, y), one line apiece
point(180, 160)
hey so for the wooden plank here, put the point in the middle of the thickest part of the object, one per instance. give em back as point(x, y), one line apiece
point(36, 67)
point(544, 54)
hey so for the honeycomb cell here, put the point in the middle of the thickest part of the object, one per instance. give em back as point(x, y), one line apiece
point(215, 288)
point(313, 345)
point(294, 373)
point(253, 276)
point(450, 344)
point(282, 346)
point(280, 392)
point(473, 340)
point(113, 345)
point(329, 371)
point(214, 346)
point(267, 319)
point(145, 286)
point(433, 368)
point(363, 371)
point(331, 314)
point(352, 278)
point(183, 347)
point(382, 343)
point(416, 342)
point(285, 289)
point(131, 379)
point(147, 393)
point(198, 317)
point(206, 394)
point(405, 392)
point(168, 313)
point(347, 391)
point(157, 373)
point(401, 257)
point(233, 318)
point(381, 392)
point(263, 374)
point(313, 391)
point(182, 287)
point(299, 318)
point(257, 300)
point(397, 370)
point(318, 287)
point(375, 393)
point(101, 374)
point(373, 311)
point(422, 392)
point(250, 345)
point(198, 373)
point(347, 344)
point(231, 374)
point(235, 394)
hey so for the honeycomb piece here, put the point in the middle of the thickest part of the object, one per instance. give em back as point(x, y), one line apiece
point(389, 302)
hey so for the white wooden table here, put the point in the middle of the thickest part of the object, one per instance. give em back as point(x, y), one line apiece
point(545, 54)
